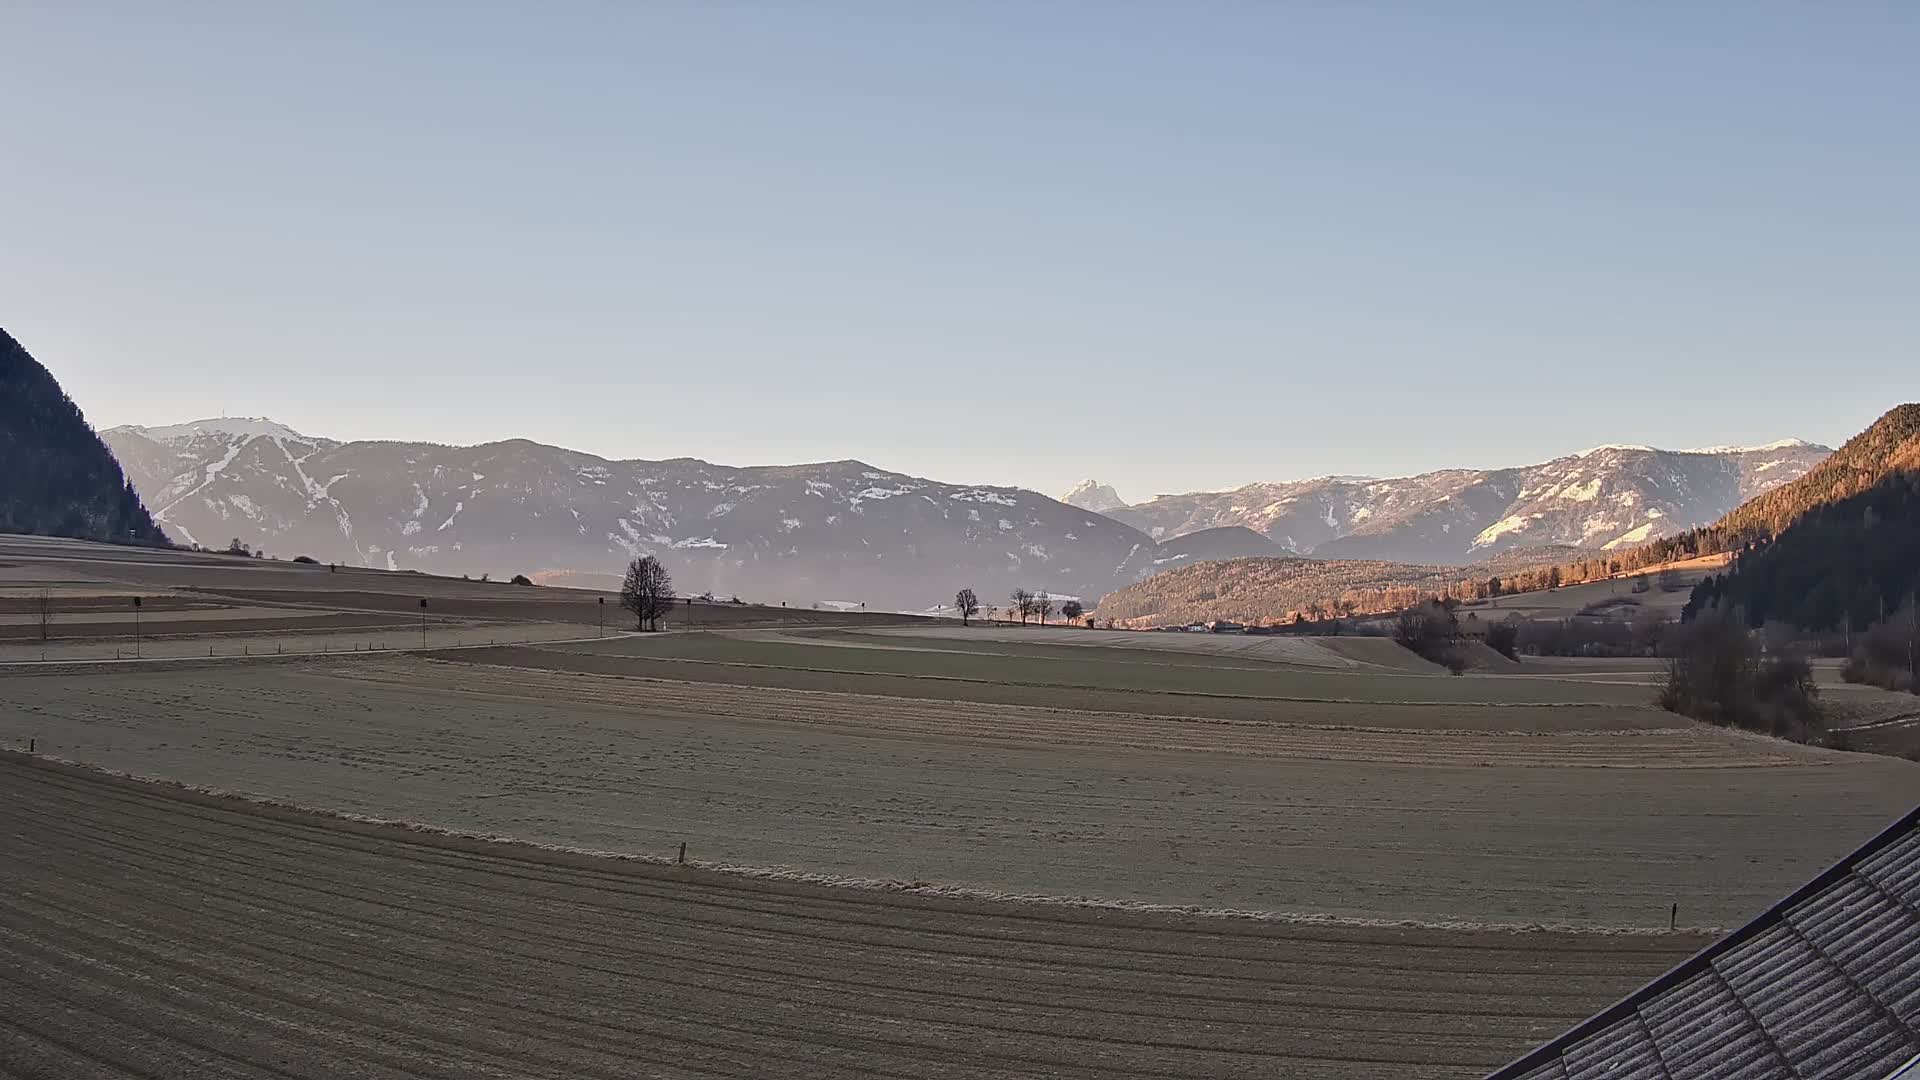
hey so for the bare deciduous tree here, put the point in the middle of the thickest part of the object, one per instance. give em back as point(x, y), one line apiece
point(1072, 610)
point(967, 604)
point(1043, 607)
point(1022, 604)
point(647, 591)
point(43, 612)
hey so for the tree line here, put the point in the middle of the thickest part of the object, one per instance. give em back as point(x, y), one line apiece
point(1849, 571)
point(1021, 602)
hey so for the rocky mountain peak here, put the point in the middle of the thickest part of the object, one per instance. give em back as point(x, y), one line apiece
point(1094, 496)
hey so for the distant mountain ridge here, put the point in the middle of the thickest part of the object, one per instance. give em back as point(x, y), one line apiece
point(1606, 497)
point(1835, 544)
point(840, 530)
point(847, 531)
point(56, 476)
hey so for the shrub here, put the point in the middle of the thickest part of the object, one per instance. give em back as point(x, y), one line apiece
point(1578, 637)
point(1717, 675)
point(1602, 607)
point(306, 560)
point(1884, 657)
point(522, 579)
point(1430, 631)
point(1504, 638)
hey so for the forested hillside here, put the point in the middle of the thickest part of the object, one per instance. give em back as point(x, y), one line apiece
point(1837, 554)
point(1892, 444)
point(56, 477)
point(1266, 590)
point(1848, 562)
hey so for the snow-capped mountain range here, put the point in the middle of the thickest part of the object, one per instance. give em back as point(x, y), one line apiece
point(841, 530)
point(1603, 497)
point(851, 532)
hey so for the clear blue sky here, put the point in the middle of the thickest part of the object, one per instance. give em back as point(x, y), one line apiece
point(1171, 246)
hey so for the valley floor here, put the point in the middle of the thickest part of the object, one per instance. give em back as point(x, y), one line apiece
point(148, 931)
point(911, 852)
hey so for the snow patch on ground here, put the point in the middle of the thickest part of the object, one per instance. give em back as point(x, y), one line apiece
point(1632, 536)
point(982, 495)
point(1602, 448)
point(1586, 492)
point(1778, 444)
point(244, 428)
point(628, 538)
point(1501, 528)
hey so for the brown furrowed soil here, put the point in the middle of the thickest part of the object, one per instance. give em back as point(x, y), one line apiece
point(1606, 826)
point(147, 931)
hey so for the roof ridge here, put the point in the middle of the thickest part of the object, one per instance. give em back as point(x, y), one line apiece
point(1899, 829)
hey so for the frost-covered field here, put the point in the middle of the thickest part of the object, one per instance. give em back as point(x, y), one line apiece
point(150, 931)
point(1600, 823)
point(910, 853)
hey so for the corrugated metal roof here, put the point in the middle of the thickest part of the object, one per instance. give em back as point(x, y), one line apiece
point(1825, 984)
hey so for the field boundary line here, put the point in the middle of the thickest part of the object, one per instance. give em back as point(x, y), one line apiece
point(12, 666)
point(1057, 686)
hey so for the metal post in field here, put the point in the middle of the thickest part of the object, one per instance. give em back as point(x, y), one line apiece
point(602, 632)
point(423, 622)
point(136, 628)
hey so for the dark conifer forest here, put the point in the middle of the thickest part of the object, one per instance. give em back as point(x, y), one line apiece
point(56, 477)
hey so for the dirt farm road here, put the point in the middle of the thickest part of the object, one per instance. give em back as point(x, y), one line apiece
point(147, 931)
